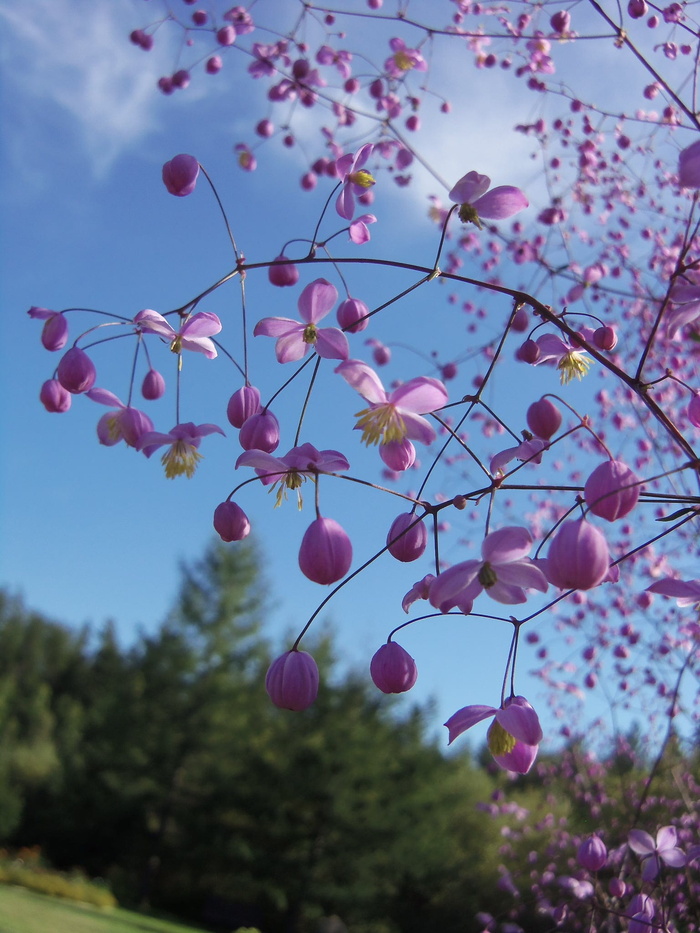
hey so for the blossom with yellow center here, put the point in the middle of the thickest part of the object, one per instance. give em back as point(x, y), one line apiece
point(183, 455)
point(292, 470)
point(513, 737)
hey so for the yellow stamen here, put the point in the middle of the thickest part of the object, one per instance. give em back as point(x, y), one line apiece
point(403, 61)
point(180, 458)
point(114, 428)
point(361, 177)
point(291, 480)
point(468, 214)
point(498, 740)
point(381, 425)
point(573, 365)
point(310, 333)
point(176, 345)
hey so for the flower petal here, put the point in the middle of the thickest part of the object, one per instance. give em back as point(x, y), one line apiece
point(506, 544)
point(520, 719)
point(520, 759)
point(640, 842)
point(276, 327)
point(501, 202)
point(420, 395)
point(364, 380)
point(465, 718)
point(316, 300)
point(469, 187)
point(332, 344)
point(202, 324)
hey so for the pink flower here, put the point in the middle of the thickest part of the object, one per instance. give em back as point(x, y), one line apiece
point(407, 545)
point(578, 557)
point(355, 179)
point(571, 361)
point(54, 334)
point(325, 554)
point(689, 166)
point(359, 233)
point(180, 175)
point(396, 415)
point(76, 371)
point(513, 737)
point(392, 669)
point(612, 490)
point(183, 442)
point(419, 590)
point(476, 201)
point(664, 848)
point(688, 298)
point(230, 522)
point(292, 680)
point(403, 59)
point(291, 470)
point(528, 451)
point(295, 339)
point(123, 424)
point(194, 332)
point(505, 573)
point(685, 592)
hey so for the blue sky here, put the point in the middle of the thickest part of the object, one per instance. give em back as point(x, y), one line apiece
point(91, 533)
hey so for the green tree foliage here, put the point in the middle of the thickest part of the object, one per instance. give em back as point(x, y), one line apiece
point(165, 767)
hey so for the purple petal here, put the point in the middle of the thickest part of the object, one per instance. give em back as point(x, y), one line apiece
point(153, 323)
point(507, 594)
point(521, 721)
point(506, 544)
point(276, 327)
point(520, 759)
point(199, 345)
point(689, 166)
point(420, 396)
point(202, 324)
point(501, 202)
point(469, 187)
point(465, 718)
point(679, 317)
point(640, 842)
point(445, 588)
point(332, 344)
point(345, 205)
point(417, 428)
point(363, 379)
point(316, 301)
point(105, 397)
point(522, 573)
point(291, 347)
point(666, 838)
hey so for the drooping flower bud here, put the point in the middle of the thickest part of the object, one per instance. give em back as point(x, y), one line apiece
point(528, 352)
point(260, 432)
point(392, 669)
point(54, 334)
point(612, 490)
point(578, 557)
point(325, 554)
point(292, 681)
point(230, 522)
point(560, 22)
point(605, 338)
point(398, 455)
point(543, 418)
point(76, 371)
point(180, 175)
point(592, 854)
point(243, 404)
point(694, 410)
point(407, 545)
point(689, 166)
point(153, 386)
point(637, 8)
point(283, 272)
point(351, 315)
point(54, 397)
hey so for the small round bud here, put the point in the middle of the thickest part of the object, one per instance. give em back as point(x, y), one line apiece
point(392, 669)
point(528, 352)
point(54, 397)
point(605, 338)
point(213, 65)
point(282, 272)
point(76, 371)
point(230, 522)
point(153, 386)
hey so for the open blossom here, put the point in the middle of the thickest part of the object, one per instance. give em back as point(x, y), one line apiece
point(689, 166)
point(355, 179)
point(183, 441)
point(403, 59)
point(513, 736)
point(54, 334)
point(393, 416)
point(685, 592)
point(527, 451)
point(571, 361)
point(124, 423)
point(663, 849)
point(358, 229)
point(291, 470)
point(476, 201)
point(296, 338)
point(194, 333)
point(687, 298)
point(505, 573)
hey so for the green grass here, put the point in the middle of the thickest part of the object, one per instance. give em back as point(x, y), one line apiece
point(22, 911)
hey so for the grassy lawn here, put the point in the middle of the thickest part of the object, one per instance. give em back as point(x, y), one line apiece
point(22, 911)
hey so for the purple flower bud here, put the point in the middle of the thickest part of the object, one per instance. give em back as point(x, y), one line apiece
point(592, 854)
point(528, 352)
point(265, 128)
point(243, 404)
point(605, 338)
point(325, 554)
point(411, 545)
point(292, 681)
point(392, 669)
point(543, 418)
point(398, 455)
point(560, 22)
point(689, 166)
point(283, 272)
point(213, 65)
point(230, 522)
point(610, 491)
point(637, 8)
point(578, 557)
point(153, 386)
point(54, 334)
point(226, 35)
point(76, 371)
point(694, 410)
point(351, 315)
point(180, 175)
point(54, 397)
point(260, 432)
point(617, 887)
